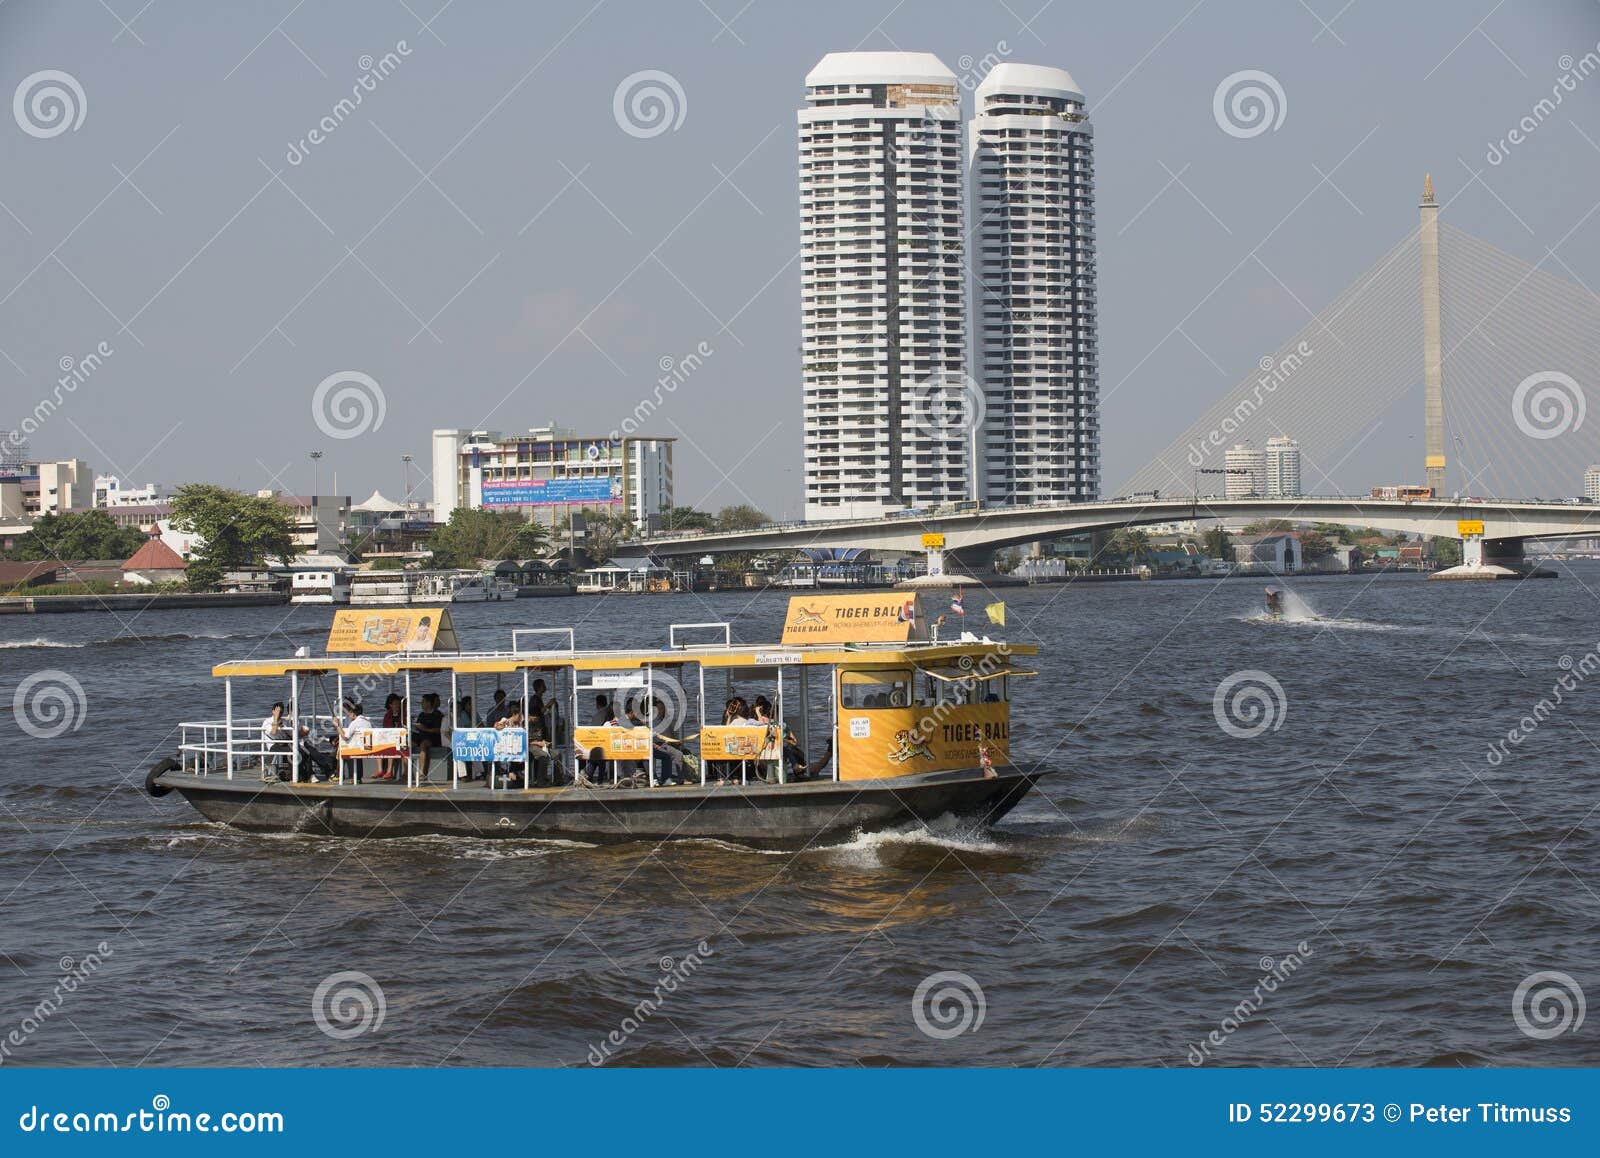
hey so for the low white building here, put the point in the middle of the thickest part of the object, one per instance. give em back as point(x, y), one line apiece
point(109, 492)
point(1279, 553)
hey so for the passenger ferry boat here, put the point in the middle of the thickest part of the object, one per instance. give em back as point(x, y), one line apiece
point(380, 589)
point(873, 723)
point(325, 587)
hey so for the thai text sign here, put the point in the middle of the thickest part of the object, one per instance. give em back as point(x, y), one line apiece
point(541, 492)
point(882, 618)
point(1465, 527)
point(486, 744)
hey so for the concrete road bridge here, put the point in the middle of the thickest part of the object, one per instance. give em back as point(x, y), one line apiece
point(970, 536)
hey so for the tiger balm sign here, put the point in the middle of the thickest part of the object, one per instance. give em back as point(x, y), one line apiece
point(887, 617)
point(878, 742)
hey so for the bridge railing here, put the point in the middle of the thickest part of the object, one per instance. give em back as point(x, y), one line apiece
point(1178, 501)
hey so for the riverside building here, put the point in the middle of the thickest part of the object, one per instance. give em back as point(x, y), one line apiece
point(887, 404)
point(1032, 187)
point(549, 473)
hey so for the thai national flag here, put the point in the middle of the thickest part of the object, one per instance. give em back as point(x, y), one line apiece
point(955, 603)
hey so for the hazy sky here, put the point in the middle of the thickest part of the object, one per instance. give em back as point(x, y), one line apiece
point(484, 240)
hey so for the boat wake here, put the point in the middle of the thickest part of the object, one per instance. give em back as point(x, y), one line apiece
point(1332, 622)
point(123, 640)
point(947, 832)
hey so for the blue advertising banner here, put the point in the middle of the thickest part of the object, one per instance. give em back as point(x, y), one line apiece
point(1053, 1111)
point(551, 492)
point(484, 744)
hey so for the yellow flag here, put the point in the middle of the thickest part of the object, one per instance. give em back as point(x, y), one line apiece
point(996, 613)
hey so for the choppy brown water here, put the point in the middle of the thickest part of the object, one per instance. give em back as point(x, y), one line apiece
point(1117, 917)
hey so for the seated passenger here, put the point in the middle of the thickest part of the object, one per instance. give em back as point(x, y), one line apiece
point(275, 738)
point(667, 755)
point(427, 735)
point(355, 723)
point(510, 773)
point(394, 716)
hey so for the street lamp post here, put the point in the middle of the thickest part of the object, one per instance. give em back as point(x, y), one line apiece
point(406, 459)
point(316, 473)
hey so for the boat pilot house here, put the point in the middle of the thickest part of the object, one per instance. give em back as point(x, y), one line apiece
point(861, 716)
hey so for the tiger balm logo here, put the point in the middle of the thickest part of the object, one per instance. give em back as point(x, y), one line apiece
point(805, 617)
point(908, 748)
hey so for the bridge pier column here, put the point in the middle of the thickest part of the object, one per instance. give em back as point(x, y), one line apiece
point(1504, 553)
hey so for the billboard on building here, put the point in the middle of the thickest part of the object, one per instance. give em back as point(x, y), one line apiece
point(552, 492)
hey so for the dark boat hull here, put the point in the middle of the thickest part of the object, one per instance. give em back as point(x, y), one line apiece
point(752, 814)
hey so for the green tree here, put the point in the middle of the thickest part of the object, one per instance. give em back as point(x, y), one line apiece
point(234, 530)
point(1218, 544)
point(475, 535)
point(1268, 526)
point(1314, 545)
point(1446, 552)
point(742, 517)
point(85, 535)
point(1132, 544)
point(687, 519)
point(1333, 532)
point(604, 533)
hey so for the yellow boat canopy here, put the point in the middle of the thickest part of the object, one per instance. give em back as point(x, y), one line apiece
point(491, 663)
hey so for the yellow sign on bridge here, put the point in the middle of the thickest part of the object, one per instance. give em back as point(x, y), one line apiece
point(1465, 527)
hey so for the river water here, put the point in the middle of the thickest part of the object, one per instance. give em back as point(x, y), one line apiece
point(1359, 882)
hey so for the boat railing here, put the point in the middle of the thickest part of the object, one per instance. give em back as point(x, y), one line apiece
point(725, 628)
point(517, 633)
point(210, 747)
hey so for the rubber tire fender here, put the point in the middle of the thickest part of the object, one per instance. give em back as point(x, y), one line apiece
point(155, 773)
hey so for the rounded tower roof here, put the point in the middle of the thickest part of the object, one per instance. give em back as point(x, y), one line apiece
point(1029, 80)
point(880, 68)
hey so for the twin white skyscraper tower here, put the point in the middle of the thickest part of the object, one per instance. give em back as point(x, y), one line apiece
point(906, 214)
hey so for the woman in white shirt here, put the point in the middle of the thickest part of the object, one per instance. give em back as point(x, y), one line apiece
point(355, 723)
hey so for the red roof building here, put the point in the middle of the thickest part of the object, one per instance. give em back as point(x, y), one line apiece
point(155, 562)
